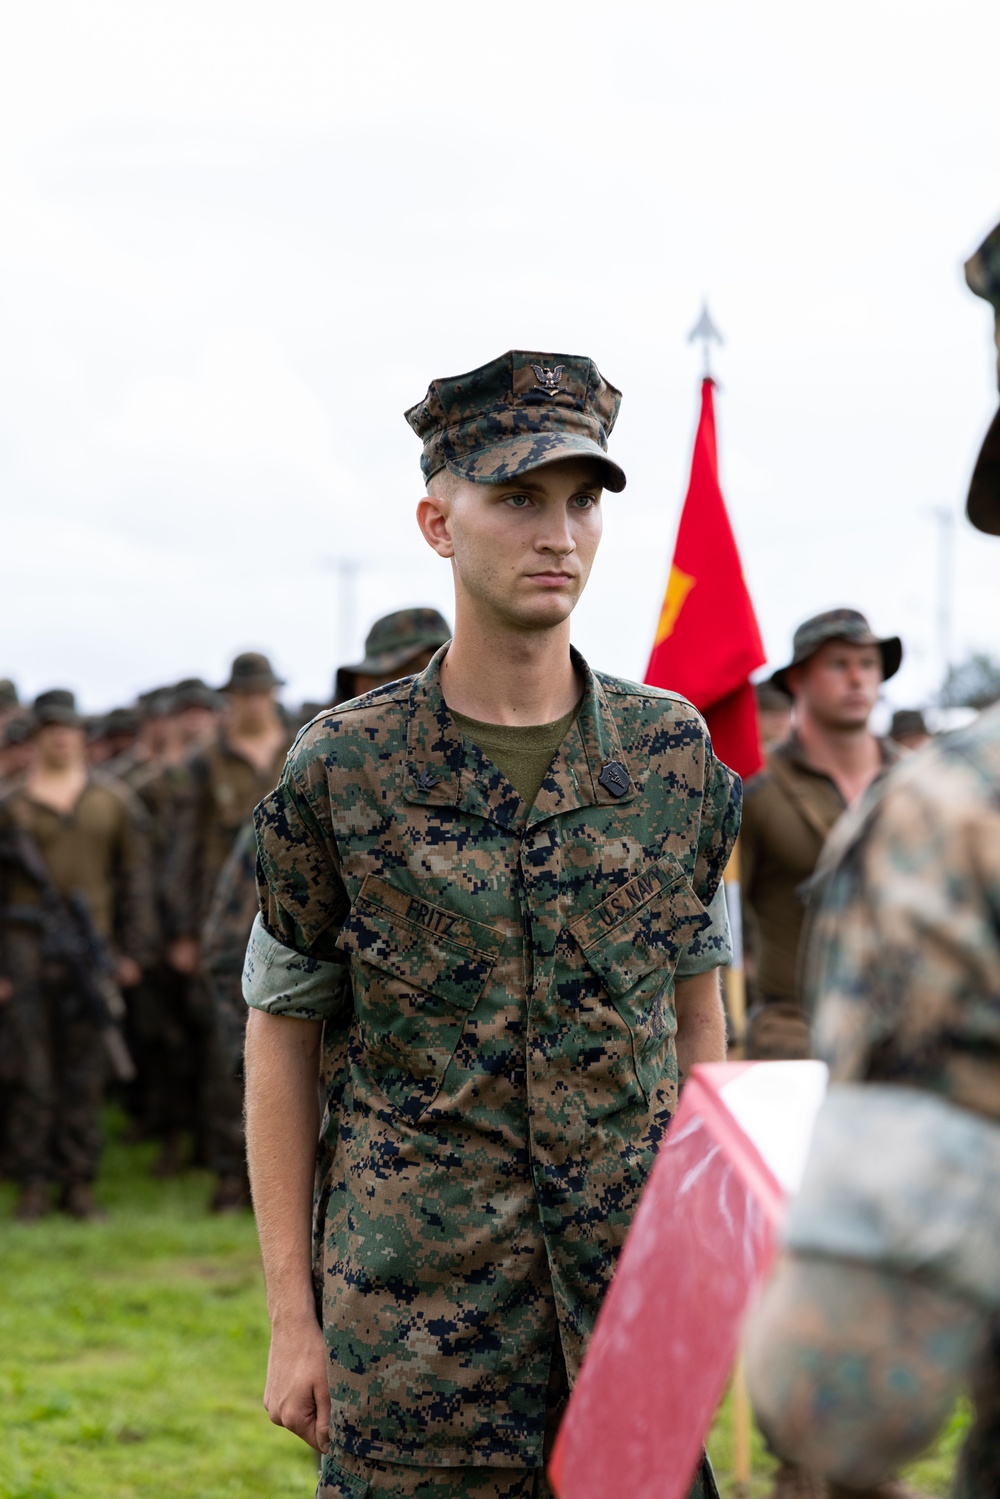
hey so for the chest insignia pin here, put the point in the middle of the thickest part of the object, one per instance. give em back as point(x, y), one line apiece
point(426, 781)
point(548, 380)
point(615, 778)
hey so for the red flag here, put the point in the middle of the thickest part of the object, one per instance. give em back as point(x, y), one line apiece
point(707, 641)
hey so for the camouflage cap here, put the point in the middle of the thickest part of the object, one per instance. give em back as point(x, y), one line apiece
point(982, 273)
point(58, 705)
point(251, 672)
point(393, 641)
point(837, 624)
point(192, 692)
point(122, 721)
point(8, 694)
point(515, 414)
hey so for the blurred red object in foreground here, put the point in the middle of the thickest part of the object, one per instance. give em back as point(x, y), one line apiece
point(695, 1258)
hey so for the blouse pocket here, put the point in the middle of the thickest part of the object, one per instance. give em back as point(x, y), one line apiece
point(417, 971)
point(632, 941)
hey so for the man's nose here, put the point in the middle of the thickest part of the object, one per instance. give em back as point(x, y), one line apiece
point(557, 536)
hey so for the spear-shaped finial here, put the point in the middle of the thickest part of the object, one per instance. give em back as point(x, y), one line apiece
point(706, 330)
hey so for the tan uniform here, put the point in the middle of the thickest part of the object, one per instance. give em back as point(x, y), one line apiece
point(58, 1065)
point(789, 809)
point(223, 789)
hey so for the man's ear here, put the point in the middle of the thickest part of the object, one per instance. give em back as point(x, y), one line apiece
point(433, 520)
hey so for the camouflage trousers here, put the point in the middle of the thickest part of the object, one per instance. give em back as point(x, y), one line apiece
point(56, 1070)
point(343, 1476)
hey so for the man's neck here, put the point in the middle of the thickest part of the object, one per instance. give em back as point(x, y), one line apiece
point(851, 757)
point(57, 786)
point(510, 677)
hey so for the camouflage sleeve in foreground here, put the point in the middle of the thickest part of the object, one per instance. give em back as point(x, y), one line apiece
point(905, 956)
point(711, 948)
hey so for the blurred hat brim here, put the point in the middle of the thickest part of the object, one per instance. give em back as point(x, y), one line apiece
point(891, 649)
point(258, 683)
point(983, 505)
point(387, 661)
point(67, 718)
point(513, 456)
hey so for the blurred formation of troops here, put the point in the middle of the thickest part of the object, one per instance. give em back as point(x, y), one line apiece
point(127, 893)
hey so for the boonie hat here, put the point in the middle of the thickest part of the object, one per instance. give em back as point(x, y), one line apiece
point(251, 672)
point(515, 414)
point(58, 705)
point(392, 642)
point(982, 273)
point(837, 624)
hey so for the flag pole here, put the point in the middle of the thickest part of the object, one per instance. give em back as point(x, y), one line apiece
point(705, 330)
point(736, 1007)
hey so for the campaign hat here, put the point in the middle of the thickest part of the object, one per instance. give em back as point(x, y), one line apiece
point(515, 414)
point(982, 274)
point(837, 624)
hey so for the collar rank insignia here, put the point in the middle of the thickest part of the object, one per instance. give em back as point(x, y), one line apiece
point(548, 380)
point(426, 781)
point(615, 778)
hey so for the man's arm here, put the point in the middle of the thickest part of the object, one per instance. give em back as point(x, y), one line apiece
point(282, 1108)
point(701, 1021)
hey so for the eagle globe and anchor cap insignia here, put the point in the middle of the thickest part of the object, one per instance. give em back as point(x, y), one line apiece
point(548, 379)
point(518, 412)
point(426, 780)
point(615, 778)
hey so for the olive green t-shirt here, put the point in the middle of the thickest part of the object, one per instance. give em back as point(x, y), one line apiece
point(523, 752)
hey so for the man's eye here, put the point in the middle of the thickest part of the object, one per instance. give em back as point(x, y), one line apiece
point(584, 501)
point(519, 501)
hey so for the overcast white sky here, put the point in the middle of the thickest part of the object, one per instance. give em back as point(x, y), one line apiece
point(237, 240)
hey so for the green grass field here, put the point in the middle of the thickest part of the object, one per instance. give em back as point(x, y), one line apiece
point(132, 1356)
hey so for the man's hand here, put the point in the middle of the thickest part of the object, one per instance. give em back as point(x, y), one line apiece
point(182, 955)
point(297, 1393)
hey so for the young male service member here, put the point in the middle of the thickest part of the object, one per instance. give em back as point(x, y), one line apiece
point(476, 886)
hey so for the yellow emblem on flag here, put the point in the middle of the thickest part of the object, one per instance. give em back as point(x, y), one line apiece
point(679, 585)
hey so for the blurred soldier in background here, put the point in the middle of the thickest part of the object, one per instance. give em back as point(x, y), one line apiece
point(225, 780)
point(830, 758)
point(774, 715)
point(887, 1301)
point(398, 645)
point(15, 746)
point(9, 701)
point(908, 729)
point(74, 889)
